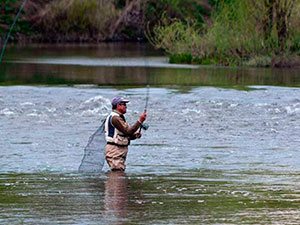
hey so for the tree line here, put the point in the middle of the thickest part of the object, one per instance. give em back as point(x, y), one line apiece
point(223, 32)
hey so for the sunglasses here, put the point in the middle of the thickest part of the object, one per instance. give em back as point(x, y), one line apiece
point(122, 103)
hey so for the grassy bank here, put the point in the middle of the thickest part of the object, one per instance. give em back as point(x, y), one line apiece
point(94, 20)
point(72, 20)
point(250, 32)
point(218, 32)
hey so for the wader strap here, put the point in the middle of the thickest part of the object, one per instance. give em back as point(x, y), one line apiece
point(112, 143)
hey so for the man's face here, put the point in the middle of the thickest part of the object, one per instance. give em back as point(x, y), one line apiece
point(121, 107)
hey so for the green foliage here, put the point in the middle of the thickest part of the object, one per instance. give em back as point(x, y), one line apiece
point(259, 61)
point(9, 10)
point(295, 44)
point(238, 33)
point(120, 4)
point(239, 30)
point(218, 4)
point(175, 9)
point(233, 32)
point(181, 58)
point(177, 38)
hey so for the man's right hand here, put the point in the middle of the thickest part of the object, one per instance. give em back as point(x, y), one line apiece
point(138, 135)
point(143, 117)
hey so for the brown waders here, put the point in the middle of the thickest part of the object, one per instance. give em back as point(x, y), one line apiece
point(116, 156)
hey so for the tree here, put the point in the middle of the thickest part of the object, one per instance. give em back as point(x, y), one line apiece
point(278, 16)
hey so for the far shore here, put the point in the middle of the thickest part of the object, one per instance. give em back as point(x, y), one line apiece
point(286, 61)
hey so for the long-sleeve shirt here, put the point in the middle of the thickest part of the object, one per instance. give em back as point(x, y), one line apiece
point(120, 123)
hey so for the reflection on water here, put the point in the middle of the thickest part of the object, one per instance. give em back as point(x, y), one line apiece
point(191, 197)
point(156, 62)
point(116, 196)
point(130, 65)
point(136, 76)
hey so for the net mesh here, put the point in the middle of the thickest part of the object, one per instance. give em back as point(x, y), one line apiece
point(93, 158)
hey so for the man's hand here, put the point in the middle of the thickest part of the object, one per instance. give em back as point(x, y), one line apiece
point(143, 117)
point(138, 135)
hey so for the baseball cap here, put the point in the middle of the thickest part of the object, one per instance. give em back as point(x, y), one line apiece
point(117, 100)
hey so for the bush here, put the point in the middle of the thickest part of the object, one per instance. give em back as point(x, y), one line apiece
point(8, 14)
point(241, 31)
point(177, 38)
point(78, 19)
point(181, 58)
point(259, 61)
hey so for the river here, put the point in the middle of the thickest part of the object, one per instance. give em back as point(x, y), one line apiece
point(222, 146)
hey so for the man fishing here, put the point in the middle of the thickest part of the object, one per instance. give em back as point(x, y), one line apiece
point(118, 134)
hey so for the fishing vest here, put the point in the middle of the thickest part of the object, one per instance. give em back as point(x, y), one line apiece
point(112, 134)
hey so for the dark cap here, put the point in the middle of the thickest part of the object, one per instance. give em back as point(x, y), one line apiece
point(117, 100)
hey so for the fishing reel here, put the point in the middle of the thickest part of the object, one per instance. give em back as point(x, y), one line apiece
point(144, 126)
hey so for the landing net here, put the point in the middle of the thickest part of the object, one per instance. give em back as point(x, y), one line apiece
point(93, 158)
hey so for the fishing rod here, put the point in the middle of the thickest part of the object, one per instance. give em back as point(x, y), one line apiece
point(145, 126)
point(10, 30)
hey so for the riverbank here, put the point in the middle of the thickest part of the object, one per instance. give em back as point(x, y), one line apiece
point(126, 64)
point(197, 33)
point(239, 35)
point(276, 61)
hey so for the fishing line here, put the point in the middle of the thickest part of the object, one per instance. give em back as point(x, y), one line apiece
point(10, 30)
point(147, 98)
point(147, 84)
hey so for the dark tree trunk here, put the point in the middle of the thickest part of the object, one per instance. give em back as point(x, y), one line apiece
point(268, 24)
point(283, 13)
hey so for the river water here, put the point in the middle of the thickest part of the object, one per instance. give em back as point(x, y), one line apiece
point(222, 147)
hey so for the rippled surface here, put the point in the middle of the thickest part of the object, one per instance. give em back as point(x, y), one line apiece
point(210, 156)
point(222, 147)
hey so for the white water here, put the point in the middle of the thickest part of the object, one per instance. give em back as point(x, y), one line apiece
point(47, 128)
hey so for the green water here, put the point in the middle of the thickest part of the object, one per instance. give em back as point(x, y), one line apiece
point(191, 197)
point(89, 65)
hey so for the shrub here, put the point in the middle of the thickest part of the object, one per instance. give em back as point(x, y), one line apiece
point(9, 10)
point(78, 19)
point(240, 31)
